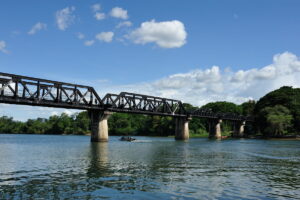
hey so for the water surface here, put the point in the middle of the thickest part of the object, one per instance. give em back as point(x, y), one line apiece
point(70, 167)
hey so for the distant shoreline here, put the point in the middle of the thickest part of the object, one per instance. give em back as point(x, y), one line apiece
point(290, 137)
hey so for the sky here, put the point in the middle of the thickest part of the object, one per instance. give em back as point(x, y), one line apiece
point(194, 51)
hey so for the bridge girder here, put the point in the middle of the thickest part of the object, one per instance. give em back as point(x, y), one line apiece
point(23, 90)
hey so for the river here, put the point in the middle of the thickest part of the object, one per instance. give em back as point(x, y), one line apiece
point(70, 167)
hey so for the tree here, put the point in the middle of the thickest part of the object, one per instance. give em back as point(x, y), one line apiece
point(8, 125)
point(81, 123)
point(248, 108)
point(37, 126)
point(286, 96)
point(278, 120)
point(224, 107)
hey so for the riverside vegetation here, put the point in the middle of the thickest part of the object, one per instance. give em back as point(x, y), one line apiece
point(277, 114)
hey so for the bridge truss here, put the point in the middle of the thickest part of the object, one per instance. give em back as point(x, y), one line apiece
point(23, 90)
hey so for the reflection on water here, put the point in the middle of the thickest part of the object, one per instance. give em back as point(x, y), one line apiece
point(62, 167)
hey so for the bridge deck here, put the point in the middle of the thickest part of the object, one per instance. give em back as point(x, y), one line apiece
point(23, 90)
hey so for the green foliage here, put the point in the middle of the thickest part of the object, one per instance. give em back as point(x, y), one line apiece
point(37, 126)
point(224, 107)
point(188, 107)
point(203, 134)
point(132, 124)
point(63, 124)
point(248, 108)
point(277, 119)
point(81, 123)
point(122, 124)
point(287, 97)
point(7, 125)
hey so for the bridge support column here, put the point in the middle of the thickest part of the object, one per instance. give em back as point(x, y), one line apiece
point(182, 128)
point(99, 125)
point(240, 132)
point(215, 129)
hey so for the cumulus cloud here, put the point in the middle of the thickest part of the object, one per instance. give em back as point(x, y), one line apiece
point(98, 15)
point(3, 46)
point(167, 34)
point(283, 64)
point(118, 12)
point(105, 36)
point(37, 27)
point(201, 86)
point(65, 17)
point(89, 42)
point(124, 24)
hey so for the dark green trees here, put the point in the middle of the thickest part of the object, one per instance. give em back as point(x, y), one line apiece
point(8, 125)
point(278, 112)
point(248, 108)
point(277, 119)
point(224, 107)
point(63, 124)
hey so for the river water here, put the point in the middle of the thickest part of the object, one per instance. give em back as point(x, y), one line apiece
point(70, 167)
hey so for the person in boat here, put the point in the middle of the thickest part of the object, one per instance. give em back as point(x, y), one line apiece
point(127, 138)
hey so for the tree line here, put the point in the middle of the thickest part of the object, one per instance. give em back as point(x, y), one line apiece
point(276, 114)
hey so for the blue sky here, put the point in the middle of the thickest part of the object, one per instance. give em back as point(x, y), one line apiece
point(195, 51)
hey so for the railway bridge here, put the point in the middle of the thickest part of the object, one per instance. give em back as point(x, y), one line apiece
point(23, 90)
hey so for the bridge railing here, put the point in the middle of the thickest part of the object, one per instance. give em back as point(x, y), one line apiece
point(41, 92)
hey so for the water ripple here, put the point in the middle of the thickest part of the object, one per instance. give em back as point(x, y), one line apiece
point(71, 168)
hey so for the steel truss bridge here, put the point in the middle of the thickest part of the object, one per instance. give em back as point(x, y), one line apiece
point(23, 90)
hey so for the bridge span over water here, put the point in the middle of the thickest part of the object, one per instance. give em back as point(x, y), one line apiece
point(23, 90)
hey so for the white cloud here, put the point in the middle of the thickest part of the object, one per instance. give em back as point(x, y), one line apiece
point(201, 86)
point(64, 17)
point(283, 64)
point(37, 27)
point(58, 112)
point(99, 16)
point(167, 34)
point(3, 46)
point(118, 12)
point(96, 7)
point(124, 24)
point(105, 36)
point(89, 42)
point(54, 113)
point(80, 36)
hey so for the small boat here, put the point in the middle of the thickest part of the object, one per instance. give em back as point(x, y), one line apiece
point(127, 138)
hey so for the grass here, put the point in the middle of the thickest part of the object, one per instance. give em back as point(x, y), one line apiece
point(199, 135)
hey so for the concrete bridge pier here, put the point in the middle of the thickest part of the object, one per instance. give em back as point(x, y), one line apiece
point(241, 129)
point(99, 125)
point(182, 128)
point(215, 129)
